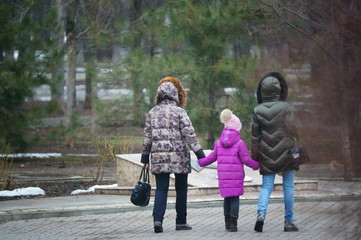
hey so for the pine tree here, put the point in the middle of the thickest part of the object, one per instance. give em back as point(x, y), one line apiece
point(206, 30)
point(24, 64)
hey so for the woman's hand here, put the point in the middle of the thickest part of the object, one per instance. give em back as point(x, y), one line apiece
point(147, 166)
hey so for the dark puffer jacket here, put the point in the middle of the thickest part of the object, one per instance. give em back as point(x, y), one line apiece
point(273, 126)
point(167, 134)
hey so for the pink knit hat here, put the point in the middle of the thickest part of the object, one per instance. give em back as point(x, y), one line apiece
point(230, 120)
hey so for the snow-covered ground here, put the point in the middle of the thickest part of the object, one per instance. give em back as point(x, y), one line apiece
point(42, 155)
point(35, 191)
point(91, 189)
point(29, 191)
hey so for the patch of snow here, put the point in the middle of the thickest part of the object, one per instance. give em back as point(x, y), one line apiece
point(44, 155)
point(91, 189)
point(82, 155)
point(29, 191)
point(32, 155)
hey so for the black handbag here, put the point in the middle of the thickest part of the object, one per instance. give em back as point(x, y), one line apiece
point(299, 153)
point(141, 192)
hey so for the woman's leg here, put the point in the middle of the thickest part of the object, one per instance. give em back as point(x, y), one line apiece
point(181, 187)
point(161, 193)
point(289, 193)
point(265, 193)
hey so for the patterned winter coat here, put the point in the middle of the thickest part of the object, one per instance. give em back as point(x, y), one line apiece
point(167, 134)
point(231, 154)
point(273, 127)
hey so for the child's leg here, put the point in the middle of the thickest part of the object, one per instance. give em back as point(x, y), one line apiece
point(234, 203)
point(227, 213)
point(227, 205)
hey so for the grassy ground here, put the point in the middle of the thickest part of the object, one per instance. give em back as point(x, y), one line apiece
point(59, 176)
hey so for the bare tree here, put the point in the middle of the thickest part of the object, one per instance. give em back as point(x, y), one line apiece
point(70, 109)
point(334, 28)
point(57, 93)
point(96, 31)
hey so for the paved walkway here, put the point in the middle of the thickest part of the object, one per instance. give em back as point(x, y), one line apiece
point(332, 212)
point(316, 220)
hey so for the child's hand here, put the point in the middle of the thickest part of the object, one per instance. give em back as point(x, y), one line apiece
point(147, 166)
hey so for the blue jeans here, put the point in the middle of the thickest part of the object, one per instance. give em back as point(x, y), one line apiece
point(231, 206)
point(288, 191)
point(161, 193)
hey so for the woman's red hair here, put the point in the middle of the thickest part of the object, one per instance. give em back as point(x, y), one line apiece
point(182, 95)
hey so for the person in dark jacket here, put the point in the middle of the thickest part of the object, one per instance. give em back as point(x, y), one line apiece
point(273, 134)
point(168, 133)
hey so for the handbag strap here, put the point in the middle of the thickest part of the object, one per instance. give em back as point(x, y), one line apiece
point(145, 174)
point(146, 177)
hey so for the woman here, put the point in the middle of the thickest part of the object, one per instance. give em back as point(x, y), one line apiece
point(273, 134)
point(167, 134)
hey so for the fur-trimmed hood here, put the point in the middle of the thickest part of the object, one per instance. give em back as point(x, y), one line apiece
point(167, 90)
point(182, 95)
point(272, 87)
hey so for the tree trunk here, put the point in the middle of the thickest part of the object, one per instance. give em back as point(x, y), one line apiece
point(90, 73)
point(136, 86)
point(212, 105)
point(57, 91)
point(70, 90)
point(346, 149)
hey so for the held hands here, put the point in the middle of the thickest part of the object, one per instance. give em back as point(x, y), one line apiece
point(147, 166)
point(198, 161)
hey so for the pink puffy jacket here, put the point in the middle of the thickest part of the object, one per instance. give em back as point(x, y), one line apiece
point(231, 154)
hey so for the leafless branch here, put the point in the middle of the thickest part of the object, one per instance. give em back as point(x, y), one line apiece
point(274, 8)
point(311, 9)
point(23, 13)
point(300, 16)
point(81, 33)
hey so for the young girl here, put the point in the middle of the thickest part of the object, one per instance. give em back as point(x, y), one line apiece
point(231, 153)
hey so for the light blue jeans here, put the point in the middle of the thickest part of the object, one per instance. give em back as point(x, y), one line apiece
point(288, 191)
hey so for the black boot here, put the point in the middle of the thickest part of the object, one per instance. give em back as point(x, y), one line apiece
point(259, 222)
point(227, 220)
point(234, 224)
point(290, 227)
point(158, 228)
point(185, 226)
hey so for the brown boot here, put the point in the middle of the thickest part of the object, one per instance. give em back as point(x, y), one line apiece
point(234, 224)
point(227, 220)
